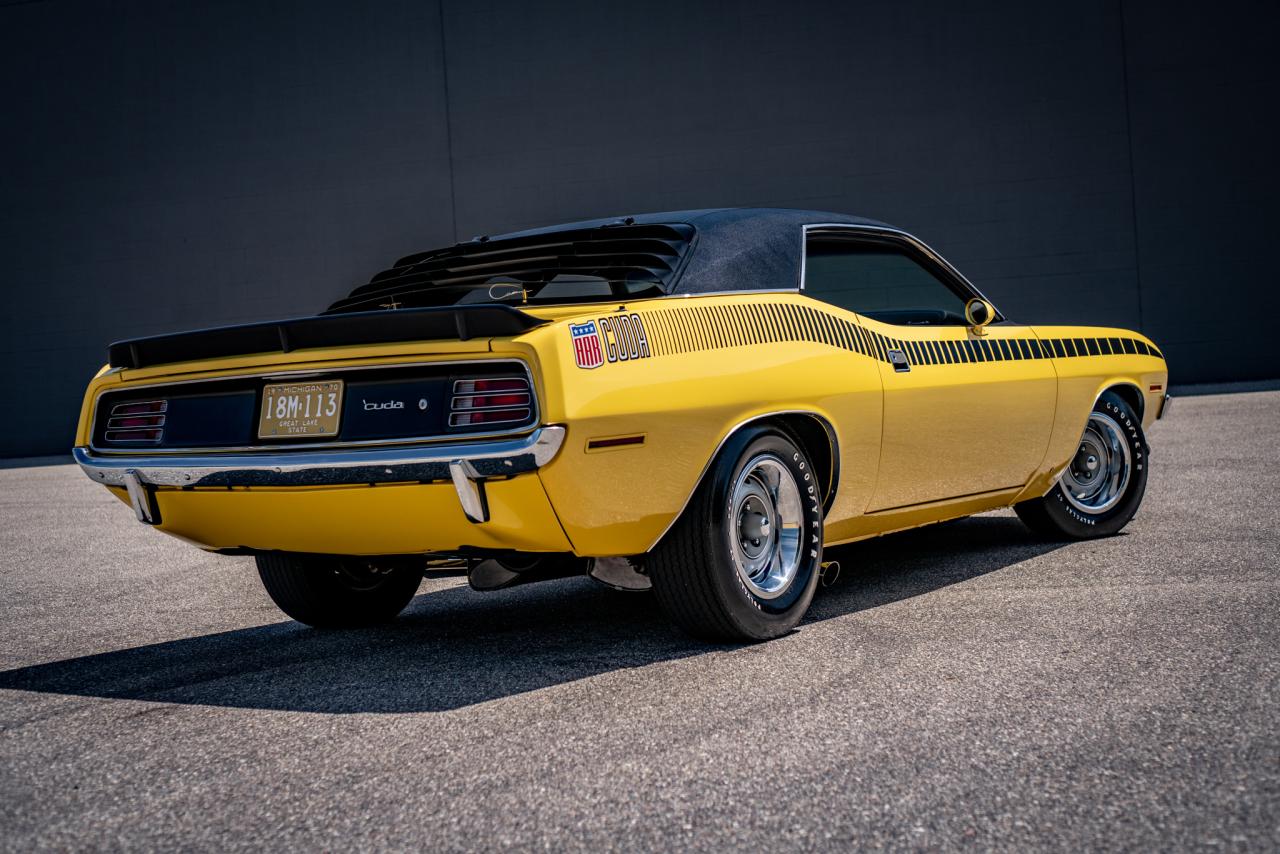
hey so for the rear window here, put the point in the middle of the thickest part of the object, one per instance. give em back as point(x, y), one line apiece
point(612, 262)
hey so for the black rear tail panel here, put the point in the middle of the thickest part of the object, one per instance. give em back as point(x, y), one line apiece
point(390, 404)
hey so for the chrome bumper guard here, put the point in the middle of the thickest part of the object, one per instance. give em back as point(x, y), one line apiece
point(467, 465)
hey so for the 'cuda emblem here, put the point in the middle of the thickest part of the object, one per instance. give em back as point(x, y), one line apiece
point(617, 338)
point(586, 345)
point(371, 405)
point(624, 337)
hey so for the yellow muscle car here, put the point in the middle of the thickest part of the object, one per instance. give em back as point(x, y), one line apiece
point(695, 402)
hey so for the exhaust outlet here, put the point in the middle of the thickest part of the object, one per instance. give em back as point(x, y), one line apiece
point(829, 572)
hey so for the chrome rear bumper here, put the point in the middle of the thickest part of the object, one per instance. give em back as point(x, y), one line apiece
point(466, 464)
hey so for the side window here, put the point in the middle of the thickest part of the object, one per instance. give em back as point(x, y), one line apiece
point(878, 280)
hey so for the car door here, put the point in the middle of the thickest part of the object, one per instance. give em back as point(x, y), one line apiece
point(964, 413)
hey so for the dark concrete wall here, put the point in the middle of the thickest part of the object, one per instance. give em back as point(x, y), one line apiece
point(169, 166)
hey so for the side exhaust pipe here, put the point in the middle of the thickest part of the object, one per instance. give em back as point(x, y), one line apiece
point(829, 572)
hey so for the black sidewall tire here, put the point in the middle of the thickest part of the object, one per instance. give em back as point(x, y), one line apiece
point(307, 588)
point(757, 618)
point(1062, 518)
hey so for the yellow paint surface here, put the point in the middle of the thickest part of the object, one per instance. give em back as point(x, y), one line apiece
point(938, 441)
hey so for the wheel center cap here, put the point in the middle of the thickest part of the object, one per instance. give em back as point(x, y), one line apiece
point(1099, 474)
point(1086, 463)
point(755, 526)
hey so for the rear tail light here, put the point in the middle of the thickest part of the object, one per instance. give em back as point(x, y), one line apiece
point(492, 416)
point(491, 401)
point(492, 385)
point(143, 407)
point(140, 421)
point(500, 400)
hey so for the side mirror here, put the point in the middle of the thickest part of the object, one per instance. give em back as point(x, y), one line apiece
point(979, 313)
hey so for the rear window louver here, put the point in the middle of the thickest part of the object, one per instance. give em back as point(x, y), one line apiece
point(630, 258)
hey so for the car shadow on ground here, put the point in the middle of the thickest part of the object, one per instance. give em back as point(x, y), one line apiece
point(455, 648)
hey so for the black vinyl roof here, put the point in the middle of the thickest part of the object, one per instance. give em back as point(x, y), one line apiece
point(692, 251)
point(737, 248)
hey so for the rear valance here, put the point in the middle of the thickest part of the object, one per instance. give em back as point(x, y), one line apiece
point(334, 330)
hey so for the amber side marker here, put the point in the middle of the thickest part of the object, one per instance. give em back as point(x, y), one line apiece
point(616, 442)
point(1157, 387)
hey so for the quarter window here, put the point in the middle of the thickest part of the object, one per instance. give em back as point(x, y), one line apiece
point(880, 280)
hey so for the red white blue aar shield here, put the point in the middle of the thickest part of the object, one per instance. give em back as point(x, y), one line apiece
point(586, 345)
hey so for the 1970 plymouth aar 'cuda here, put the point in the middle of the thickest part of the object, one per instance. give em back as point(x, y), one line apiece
point(695, 402)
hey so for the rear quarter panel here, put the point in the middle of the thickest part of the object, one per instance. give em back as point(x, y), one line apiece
point(710, 367)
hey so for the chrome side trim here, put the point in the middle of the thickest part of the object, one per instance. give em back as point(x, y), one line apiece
point(312, 372)
point(743, 292)
point(1137, 389)
point(479, 460)
point(897, 233)
point(832, 437)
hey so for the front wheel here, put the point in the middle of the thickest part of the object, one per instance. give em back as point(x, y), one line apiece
point(1101, 488)
point(742, 562)
point(333, 591)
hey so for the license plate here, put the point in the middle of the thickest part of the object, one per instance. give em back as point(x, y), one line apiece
point(300, 409)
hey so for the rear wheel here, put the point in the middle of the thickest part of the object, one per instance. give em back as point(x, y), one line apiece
point(331, 591)
point(1101, 488)
point(742, 562)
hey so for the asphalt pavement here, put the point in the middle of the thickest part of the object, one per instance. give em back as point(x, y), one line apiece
point(960, 687)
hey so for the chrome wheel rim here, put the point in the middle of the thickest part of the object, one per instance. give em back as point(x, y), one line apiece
point(1099, 472)
point(765, 521)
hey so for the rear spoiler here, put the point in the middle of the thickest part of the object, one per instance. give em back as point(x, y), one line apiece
point(330, 330)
